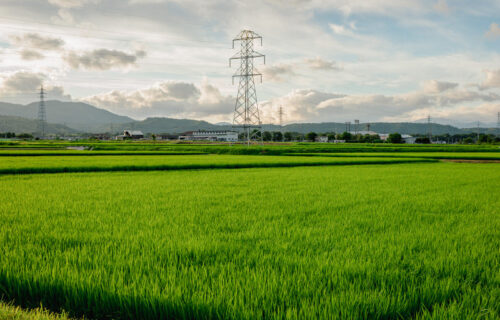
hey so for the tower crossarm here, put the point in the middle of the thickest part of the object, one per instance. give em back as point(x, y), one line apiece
point(254, 55)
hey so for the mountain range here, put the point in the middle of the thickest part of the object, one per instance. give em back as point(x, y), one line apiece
point(78, 117)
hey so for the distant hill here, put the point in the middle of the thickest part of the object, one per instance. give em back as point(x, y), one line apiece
point(78, 115)
point(168, 125)
point(83, 117)
point(379, 127)
point(23, 125)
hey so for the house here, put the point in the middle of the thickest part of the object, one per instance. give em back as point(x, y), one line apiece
point(322, 139)
point(130, 134)
point(166, 136)
point(408, 139)
point(202, 135)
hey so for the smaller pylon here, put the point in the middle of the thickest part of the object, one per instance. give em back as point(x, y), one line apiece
point(281, 123)
point(42, 118)
point(429, 128)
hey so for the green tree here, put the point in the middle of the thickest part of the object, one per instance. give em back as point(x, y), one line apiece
point(468, 140)
point(483, 138)
point(347, 136)
point(267, 136)
point(331, 136)
point(395, 138)
point(25, 136)
point(311, 136)
point(277, 136)
point(288, 136)
point(422, 140)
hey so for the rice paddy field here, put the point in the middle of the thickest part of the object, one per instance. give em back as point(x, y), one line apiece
point(159, 235)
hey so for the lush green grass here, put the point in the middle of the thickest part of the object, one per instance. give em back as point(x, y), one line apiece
point(432, 155)
point(42, 152)
point(10, 312)
point(54, 164)
point(272, 148)
point(353, 242)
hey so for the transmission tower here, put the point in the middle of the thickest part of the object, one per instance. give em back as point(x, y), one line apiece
point(246, 109)
point(42, 119)
point(281, 123)
point(348, 126)
point(429, 128)
point(478, 130)
point(498, 124)
point(281, 116)
point(356, 126)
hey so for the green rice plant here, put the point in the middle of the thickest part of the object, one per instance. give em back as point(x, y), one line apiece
point(432, 155)
point(10, 312)
point(55, 164)
point(417, 240)
point(268, 148)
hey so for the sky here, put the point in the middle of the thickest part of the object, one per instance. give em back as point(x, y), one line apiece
point(326, 60)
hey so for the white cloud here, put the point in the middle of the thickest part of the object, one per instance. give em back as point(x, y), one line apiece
point(484, 112)
point(492, 80)
point(72, 3)
point(24, 85)
point(493, 32)
point(278, 73)
point(321, 64)
point(27, 54)
point(102, 59)
point(442, 6)
point(314, 106)
point(172, 99)
point(299, 105)
point(37, 41)
point(434, 86)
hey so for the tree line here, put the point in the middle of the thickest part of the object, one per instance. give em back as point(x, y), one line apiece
point(278, 136)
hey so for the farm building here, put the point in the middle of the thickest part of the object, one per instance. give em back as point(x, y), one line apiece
point(130, 134)
point(202, 135)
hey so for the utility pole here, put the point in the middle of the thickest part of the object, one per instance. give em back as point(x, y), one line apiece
point(246, 110)
point(42, 118)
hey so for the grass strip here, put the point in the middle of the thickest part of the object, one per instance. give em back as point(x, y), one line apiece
point(32, 153)
point(38, 170)
point(8, 311)
point(437, 155)
point(416, 241)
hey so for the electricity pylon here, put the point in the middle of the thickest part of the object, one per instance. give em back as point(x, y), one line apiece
point(42, 119)
point(246, 109)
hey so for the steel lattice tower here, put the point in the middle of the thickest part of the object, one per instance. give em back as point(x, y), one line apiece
point(42, 119)
point(429, 128)
point(246, 109)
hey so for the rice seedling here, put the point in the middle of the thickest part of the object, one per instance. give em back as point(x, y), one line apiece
point(417, 240)
point(55, 164)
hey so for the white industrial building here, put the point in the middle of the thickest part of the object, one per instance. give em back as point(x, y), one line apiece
point(405, 137)
point(202, 135)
